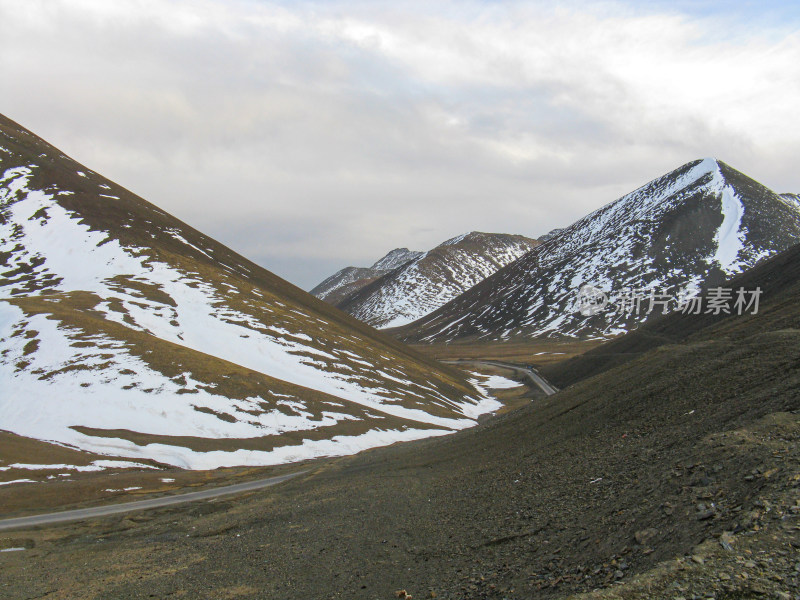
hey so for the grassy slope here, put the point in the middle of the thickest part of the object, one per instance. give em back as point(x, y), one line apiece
point(678, 445)
point(138, 223)
point(537, 352)
point(147, 230)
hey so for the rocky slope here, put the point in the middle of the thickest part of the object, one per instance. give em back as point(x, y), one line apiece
point(125, 332)
point(351, 279)
point(687, 230)
point(434, 278)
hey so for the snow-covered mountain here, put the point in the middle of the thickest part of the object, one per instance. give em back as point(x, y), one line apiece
point(434, 278)
point(691, 228)
point(351, 279)
point(125, 332)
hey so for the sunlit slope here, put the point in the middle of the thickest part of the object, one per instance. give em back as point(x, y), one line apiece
point(125, 331)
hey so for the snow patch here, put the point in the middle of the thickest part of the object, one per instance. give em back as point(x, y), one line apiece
point(498, 382)
point(729, 238)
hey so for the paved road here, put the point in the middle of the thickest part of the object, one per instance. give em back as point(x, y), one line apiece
point(113, 509)
point(530, 374)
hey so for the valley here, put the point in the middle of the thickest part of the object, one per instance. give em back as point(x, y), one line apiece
point(497, 443)
point(636, 482)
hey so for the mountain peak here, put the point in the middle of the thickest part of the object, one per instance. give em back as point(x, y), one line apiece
point(426, 283)
point(350, 280)
point(694, 171)
point(395, 258)
point(694, 226)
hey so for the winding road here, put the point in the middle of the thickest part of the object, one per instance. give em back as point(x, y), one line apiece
point(526, 372)
point(113, 509)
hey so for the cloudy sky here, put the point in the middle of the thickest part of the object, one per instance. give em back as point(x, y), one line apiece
point(313, 135)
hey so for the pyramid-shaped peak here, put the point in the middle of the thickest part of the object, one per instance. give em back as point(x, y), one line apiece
point(706, 172)
point(698, 224)
point(702, 167)
point(709, 163)
point(715, 174)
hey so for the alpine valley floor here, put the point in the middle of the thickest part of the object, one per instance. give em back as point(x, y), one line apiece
point(672, 474)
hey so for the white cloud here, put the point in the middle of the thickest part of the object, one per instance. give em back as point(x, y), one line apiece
point(306, 133)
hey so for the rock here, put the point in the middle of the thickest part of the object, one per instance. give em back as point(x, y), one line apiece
point(726, 540)
point(644, 536)
point(750, 519)
point(704, 515)
point(698, 559)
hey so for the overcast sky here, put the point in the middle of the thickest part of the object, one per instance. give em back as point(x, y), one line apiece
point(313, 135)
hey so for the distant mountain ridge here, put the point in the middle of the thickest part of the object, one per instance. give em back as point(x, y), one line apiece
point(430, 280)
point(690, 228)
point(396, 258)
point(349, 280)
point(550, 234)
point(125, 332)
